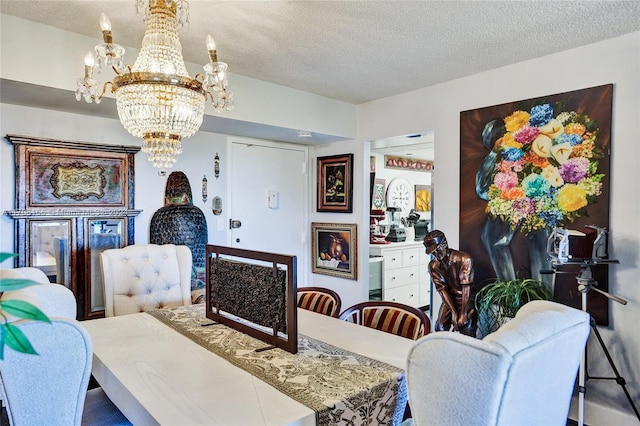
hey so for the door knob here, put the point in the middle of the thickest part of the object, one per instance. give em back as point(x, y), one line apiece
point(234, 224)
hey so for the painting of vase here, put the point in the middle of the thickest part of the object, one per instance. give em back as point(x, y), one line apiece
point(526, 168)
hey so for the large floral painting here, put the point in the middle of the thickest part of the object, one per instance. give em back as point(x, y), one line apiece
point(527, 167)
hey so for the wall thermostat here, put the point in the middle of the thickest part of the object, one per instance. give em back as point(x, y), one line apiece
point(272, 199)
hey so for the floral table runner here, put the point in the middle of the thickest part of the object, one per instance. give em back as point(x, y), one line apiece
point(340, 386)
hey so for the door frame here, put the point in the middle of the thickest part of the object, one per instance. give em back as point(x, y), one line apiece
point(303, 263)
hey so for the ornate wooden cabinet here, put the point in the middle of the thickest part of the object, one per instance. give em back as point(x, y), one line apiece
point(73, 201)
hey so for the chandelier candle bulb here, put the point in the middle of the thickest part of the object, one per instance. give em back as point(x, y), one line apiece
point(89, 62)
point(105, 26)
point(211, 47)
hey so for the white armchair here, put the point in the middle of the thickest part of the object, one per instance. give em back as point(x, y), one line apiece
point(51, 388)
point(523, 374)
point(141, 277)
point(53, 299)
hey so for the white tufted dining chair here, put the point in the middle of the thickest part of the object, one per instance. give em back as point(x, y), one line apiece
point(52, 299)
point(51, 388)
point(522, 374)
point(142, 277)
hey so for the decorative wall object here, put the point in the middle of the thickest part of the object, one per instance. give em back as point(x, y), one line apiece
point(527, 167)
point(205, 189)
point(216, 205)
point(216, 166)
point(73, 201)
point(377, 198)
point(400, 193)
point(334, 250)
point(406, 163)
point(63, 178)
point(335, 183)
point(423, 198)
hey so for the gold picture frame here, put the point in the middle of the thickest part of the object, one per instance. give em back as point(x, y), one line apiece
point(334, 249)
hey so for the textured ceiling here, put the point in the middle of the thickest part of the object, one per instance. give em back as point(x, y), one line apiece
point(358, 51)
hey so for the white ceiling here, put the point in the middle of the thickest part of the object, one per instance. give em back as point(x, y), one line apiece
point(358, 51)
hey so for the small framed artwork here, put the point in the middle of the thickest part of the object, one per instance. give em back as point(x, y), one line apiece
point(423, 198)
point(334, 250)
point(377, 197)
point(335, 183)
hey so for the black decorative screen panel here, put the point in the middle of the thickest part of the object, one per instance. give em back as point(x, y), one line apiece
point(253, 292)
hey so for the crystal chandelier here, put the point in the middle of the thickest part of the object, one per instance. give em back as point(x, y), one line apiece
point(157, 100)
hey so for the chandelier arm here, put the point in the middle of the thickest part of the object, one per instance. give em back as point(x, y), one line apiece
point(115, 70)
point(104, 89)
point(210, 96)
point(195, 77)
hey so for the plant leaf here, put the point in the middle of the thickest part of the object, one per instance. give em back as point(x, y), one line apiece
point(10, 284)
point(17, 340)
point(22, 309)
point(5, 256)
point(504, 298)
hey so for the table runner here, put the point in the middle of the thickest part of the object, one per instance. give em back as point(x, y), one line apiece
point(340, 386)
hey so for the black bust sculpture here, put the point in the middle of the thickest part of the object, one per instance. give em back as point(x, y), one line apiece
point(180, 222)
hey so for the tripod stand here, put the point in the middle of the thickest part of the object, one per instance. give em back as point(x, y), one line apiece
point(586, 283)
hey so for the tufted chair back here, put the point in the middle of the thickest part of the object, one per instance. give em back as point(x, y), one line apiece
point(142, 277)
point(523, 374)
point(51, 388)
point(53, 299)
point(48, 236)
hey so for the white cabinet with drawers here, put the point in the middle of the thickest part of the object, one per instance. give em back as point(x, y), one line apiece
point(405, 278)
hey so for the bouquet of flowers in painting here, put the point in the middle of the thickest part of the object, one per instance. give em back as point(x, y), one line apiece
point(545, 168)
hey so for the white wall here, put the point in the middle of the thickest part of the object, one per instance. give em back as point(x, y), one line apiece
point(351, 291)
point(438, 108)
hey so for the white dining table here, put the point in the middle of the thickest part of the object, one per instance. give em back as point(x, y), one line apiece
point(156, 375)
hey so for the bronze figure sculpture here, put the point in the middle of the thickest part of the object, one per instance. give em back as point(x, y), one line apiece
point(452, 275)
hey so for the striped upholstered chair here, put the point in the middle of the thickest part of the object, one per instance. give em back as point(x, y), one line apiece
point(390, 317)
point(320, 300)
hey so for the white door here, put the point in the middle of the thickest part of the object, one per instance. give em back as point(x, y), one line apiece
point(268, 198)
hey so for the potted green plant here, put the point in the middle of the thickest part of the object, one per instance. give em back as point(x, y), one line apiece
point(499, 300)
point(11, 335)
